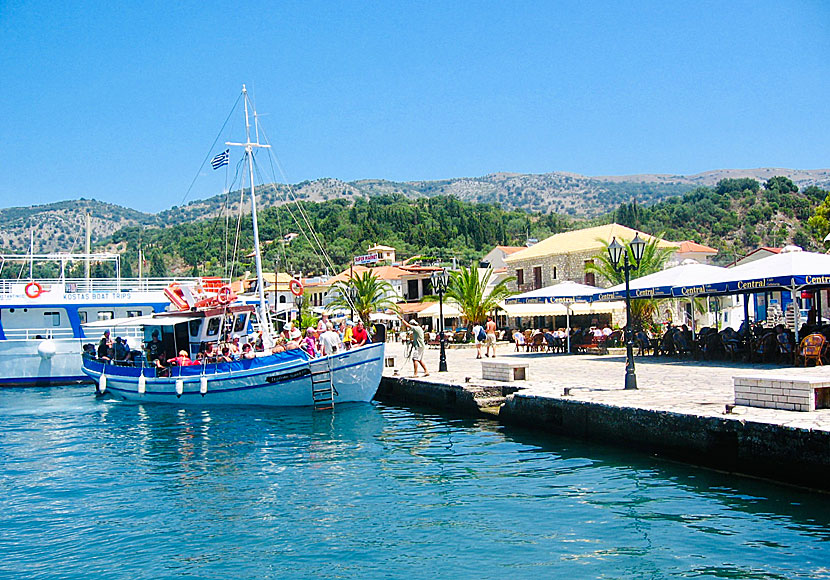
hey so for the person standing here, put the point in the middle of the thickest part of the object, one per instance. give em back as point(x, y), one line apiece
point(359, 335)
point(480, 337)
point(329, 340)
point(490, 341)
point(418, 346)
point(105, 346)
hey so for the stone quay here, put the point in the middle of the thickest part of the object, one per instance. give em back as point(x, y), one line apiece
point(683, 409)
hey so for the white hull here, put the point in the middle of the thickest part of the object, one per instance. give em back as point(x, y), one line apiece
point(41, 362)
point(355, 376)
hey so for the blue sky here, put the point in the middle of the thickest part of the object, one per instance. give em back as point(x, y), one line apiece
point(121, 101)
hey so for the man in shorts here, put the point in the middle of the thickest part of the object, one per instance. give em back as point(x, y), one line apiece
point(418, 346)
point(490, 341)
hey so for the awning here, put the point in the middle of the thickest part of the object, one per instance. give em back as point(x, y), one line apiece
point(146, 320)
point(526, 310)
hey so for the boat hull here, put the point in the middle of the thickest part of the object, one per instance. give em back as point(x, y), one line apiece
point(276, 380)
point(41, 362)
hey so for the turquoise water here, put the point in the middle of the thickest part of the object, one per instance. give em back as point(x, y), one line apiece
point(97, 489)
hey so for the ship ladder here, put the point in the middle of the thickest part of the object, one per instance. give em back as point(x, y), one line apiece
point(322, 389)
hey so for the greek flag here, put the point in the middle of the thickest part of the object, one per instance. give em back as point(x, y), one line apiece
point(221, 159)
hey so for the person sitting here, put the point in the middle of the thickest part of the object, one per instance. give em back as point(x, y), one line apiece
point(105, 347)
point(519, 339)
point(120, 350)
point(225, 355)
point(247, 352)
point(279, 346)
point(182, 360)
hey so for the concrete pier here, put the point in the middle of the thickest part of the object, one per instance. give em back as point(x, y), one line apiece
point(683, 409)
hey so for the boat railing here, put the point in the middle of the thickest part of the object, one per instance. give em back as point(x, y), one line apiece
point(37, 333)
point(75, 285)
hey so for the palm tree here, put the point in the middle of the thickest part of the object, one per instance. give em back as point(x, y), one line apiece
point(654, 258)
point(370, 294)
point(466, 289)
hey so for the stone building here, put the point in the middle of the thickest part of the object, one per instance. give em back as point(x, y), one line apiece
point(564, 257)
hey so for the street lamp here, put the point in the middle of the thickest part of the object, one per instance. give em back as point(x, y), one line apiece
point(616, 251)
point(351, 291)
point(439, 282)
point(299, 301)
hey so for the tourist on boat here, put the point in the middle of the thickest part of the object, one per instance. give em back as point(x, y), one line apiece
point(120, 350)
point(418, 346)
point(234, 346)
point(322, 325)
point(182, 360)
point(154, 348)
point(359, 335)
point(348, 334)
point(105, 346)
point(329, 341)
point(225, 356)
point(279, 346)
point(309, 343)
point(247, 351)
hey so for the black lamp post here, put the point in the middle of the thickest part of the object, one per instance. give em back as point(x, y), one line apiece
point(616, 251)
point(439, 282)
point(299, 301)
point(352, 293)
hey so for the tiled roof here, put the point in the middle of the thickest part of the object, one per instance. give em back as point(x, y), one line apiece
point(689, 246)
point(584, 240)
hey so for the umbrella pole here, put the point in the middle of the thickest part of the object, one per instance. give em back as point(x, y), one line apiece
point(568, 326)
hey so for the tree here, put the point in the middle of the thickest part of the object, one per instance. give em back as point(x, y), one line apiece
point(654, 258)
point(371, 295)
point(467, 290)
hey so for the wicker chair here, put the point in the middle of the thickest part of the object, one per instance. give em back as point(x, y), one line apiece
point(811, 348)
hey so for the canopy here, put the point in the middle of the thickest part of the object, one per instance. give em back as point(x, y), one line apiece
point(432, 311)
point(561, 293)
point(146, 320)
point(382, 316)
point(791, 268)
point(686, 280)
point(554, 309)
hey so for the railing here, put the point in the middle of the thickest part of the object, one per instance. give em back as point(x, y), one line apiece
point(529, 286)
point(133, 333)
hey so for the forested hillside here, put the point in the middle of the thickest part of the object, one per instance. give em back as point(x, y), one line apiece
point(440, 227)
point(735, 217)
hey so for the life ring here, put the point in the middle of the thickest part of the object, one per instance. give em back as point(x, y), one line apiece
point(33, 289)
point(296, 287)
point(225, 295)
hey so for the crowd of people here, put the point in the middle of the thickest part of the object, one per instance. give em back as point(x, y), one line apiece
point(326, 338)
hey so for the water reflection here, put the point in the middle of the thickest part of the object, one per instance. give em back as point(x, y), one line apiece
point(370, 491)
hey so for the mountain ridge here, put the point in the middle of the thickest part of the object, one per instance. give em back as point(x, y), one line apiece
point(56, 225)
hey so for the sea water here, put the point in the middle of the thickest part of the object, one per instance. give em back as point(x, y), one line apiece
point(103, 489)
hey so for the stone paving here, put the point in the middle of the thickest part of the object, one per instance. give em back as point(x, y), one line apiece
point(665, 384)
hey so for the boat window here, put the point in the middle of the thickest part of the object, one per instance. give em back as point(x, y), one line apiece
point(106, 315)
point(213, 326)
point(82, 316)
point(195, 325)
point(240, 323)
point(52, 318)
point(133, 313)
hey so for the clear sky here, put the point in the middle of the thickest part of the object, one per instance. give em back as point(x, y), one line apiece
point(121, 101)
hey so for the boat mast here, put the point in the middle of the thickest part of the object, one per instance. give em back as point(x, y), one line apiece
point(264, 320)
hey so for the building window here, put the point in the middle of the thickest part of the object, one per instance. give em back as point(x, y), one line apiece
point(520, 277)
point(554, 272)
point(590, 277)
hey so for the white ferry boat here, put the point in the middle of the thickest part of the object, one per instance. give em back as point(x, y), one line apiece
point(41, 320)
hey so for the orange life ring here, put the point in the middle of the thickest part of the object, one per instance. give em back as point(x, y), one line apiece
point(296, 287)
point(38, 290)
point(225, 295)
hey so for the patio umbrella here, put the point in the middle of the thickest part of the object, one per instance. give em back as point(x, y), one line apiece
point(793, 269)
point(566, 293)
point(685, 280)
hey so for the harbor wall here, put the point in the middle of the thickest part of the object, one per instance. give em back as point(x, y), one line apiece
point(772, 451)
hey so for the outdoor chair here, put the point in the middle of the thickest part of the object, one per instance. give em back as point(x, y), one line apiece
point(811, 348)
point(537, 342)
